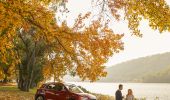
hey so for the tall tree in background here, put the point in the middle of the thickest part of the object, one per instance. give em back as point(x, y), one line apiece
point(31, 54)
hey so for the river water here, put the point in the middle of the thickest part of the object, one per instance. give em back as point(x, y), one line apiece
point(149, 91)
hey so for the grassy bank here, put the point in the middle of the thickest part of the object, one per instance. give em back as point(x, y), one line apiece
point(104, 97)
point(12, 93)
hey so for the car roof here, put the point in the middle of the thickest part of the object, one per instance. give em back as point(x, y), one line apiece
point(59, 83)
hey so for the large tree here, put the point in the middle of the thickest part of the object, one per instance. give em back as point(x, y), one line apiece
point(32, 23)
point(31, 53)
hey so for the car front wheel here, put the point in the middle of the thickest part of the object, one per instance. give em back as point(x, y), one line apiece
point(40, 98)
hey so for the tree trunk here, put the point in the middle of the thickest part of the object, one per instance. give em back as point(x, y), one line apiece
point(5, 80)
point(24, 85)
point(31, 79)
point(24, 81)
point(28, 63)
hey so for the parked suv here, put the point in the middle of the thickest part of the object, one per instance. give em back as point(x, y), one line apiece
point(61, 91)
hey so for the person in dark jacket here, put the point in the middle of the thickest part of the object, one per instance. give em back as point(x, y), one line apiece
point(118, 94)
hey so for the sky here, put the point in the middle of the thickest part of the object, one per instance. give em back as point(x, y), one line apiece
point(151, 43)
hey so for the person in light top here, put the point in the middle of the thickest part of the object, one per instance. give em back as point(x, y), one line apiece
point(130, 95)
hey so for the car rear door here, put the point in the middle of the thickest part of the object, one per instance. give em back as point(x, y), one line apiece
point(50, 93)
point(60, 92)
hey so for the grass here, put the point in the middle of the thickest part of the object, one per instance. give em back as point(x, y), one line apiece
point(13, 93)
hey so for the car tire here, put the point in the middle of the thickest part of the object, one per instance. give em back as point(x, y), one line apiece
point(40, 98)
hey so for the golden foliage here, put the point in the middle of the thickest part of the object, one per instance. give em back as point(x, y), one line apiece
point(84, 49)
point(17, 14)
point(156, 11)
point(8, 64)
point(79, 48)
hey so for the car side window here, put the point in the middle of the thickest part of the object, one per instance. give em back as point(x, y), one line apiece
point(59, 87)
point(51, 86)
point(74, 89)
point(56, 87)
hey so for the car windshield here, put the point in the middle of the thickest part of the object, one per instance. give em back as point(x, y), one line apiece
point(74, 89)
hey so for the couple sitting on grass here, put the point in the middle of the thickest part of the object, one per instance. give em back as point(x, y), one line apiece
point(118, 94)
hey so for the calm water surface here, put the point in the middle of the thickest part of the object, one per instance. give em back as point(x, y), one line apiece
point(150, 91)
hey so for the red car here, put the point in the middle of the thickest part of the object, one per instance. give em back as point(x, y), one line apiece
point(62, 91)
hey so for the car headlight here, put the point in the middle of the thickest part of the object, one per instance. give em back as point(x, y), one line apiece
point(84, 98)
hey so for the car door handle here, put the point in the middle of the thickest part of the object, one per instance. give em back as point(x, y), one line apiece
point(57, 94)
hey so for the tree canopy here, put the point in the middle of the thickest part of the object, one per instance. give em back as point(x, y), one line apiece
point(156, 11)
point(30, 34)
point(81, 49)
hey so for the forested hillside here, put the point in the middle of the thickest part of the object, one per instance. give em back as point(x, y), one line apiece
point(155, 68)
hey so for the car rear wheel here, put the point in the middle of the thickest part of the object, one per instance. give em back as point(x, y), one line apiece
point(40, 98)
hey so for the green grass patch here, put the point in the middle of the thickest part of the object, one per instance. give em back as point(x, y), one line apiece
point(34, 90)
point(15, 88)
point(8, 88)
point(13, 93)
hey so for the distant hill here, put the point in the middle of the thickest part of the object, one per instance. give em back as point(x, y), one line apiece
point(155, 68)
